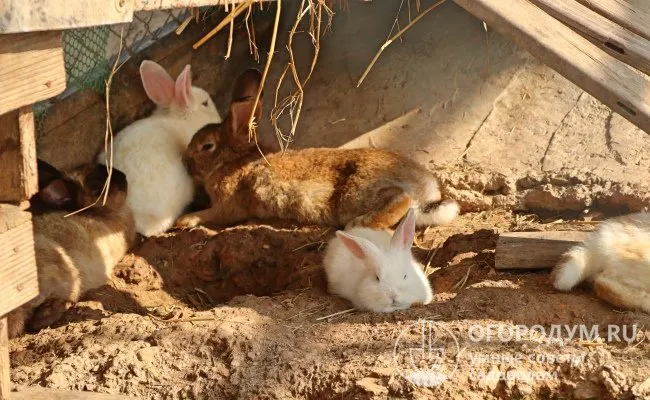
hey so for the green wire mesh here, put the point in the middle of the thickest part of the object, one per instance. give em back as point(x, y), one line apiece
point(84, 52)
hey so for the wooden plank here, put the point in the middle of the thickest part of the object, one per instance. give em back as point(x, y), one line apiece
point(618, 86)
point(31, 68)
point(31, 16)
point(18, 169)
point(534, 250)
point(633, 15)
point(617, 41)
point(5, 376)
point(169, 4)
point(18, 276)
point(38, 393)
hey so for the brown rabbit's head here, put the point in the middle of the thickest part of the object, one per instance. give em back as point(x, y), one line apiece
point(83, 186)
point(217, 144)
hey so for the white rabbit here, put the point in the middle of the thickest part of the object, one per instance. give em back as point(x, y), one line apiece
point(376, 271)
point(149, 151)
point(616, 259)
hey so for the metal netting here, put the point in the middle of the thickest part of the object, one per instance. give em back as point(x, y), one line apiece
point(89, 53)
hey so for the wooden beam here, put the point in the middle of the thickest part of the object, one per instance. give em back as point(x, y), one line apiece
point(618, 86)
point(633, 15)
point(169, 4)
point(534, 250)
point(18, 180)
point(617, 41)
point(31, 16)
point(31, 68)
point(38, 393)
point(18, 278)
point(46, 15)
point(5, 376)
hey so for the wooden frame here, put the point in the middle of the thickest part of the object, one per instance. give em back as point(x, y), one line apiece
point(27, 16)
point(617, 85)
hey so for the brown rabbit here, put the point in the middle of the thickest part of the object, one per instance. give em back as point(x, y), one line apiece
point(78, 252)
point(358, 187)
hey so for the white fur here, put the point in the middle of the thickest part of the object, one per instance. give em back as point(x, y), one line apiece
point(616, 258)
point(149, 152)
point(355, 279)
point(443, 214)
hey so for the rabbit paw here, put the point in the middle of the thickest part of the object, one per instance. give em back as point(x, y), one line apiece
point(188, 221)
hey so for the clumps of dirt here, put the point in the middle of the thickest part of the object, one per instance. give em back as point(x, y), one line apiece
point(558, 192)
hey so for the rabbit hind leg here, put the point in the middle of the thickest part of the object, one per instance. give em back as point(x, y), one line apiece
point(393, 205)
point(621, 295)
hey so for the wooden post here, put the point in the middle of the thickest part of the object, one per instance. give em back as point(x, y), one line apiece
point(5, 377)
point(18, 180)
point(534, 250)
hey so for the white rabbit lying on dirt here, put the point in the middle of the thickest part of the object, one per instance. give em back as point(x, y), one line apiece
point(149, 151)
point(376, 271)
point(616, 259)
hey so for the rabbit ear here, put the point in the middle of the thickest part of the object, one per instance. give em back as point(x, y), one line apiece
point(183, 90)
point(243, 99)
point(157, 83)
point(46, 173)
point(361, 248)
point(246, 85)
point(403, 236)
point(55, 193)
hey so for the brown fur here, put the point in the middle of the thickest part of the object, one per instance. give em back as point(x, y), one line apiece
point(78, 252)
point(369, 187)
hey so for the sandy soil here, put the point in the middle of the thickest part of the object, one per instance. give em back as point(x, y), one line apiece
point(235, 313)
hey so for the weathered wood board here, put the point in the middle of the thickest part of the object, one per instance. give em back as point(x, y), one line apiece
point(18, 179)
point(29, 16)
point(633, 15)
point(612, 38)
point(534, 250)
point(611, 81)
point(31, 68)
point(5, 364)
point(37, 393)
point(19, 282)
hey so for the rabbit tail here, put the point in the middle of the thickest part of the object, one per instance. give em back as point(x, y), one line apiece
point(573, 268)
point(434, 211)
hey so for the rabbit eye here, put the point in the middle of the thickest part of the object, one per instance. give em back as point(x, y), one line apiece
point(205, 103)
point(377, 276)
point(207, 146)
point(405, 276)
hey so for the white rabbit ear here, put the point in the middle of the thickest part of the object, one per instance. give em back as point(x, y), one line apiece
point(183, 93)
point(403, 236)
point(361, 248)
point(157, 83)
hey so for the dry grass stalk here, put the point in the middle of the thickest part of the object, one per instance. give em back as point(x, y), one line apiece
point(294, 101)
point(349, 310)
point(108, 136)
point(395, 37)
point(252, 124)
point(234, 14)
point(232, 29)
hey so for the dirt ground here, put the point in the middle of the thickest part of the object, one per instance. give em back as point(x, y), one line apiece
point(243, 312)
point(238, 313)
